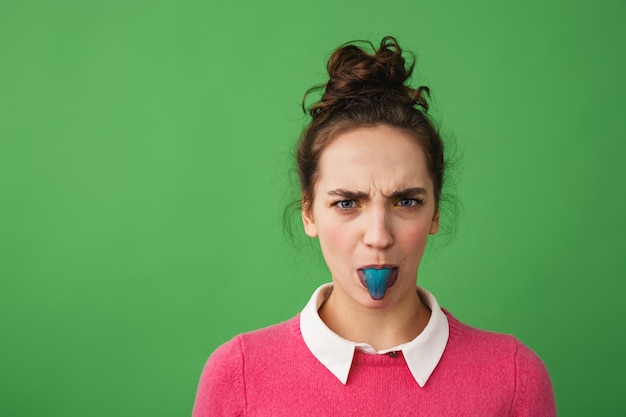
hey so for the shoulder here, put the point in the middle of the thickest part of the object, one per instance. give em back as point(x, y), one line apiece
point(496, 346)
point(222, 386)
point(231, 353)
point(533, 386)
point(281, 330)
point(221, 389)
point(520, 368)
point(466, 337)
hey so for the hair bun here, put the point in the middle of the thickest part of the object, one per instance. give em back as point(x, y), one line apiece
point(355, 74)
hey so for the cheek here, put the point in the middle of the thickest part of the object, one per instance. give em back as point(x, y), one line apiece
point(333, 238)
point(415, 237)
point(336, 243)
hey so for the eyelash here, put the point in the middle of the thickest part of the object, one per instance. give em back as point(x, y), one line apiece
point(339, 203)
point(415, 202)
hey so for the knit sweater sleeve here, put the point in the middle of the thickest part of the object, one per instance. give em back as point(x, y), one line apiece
point(221, 391)
point(534, 396)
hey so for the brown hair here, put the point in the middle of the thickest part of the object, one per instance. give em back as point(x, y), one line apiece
point(365, 90)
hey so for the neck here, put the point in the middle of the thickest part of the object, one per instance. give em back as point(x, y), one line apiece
point(380, 328)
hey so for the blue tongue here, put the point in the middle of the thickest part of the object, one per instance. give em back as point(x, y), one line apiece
point(377, 281)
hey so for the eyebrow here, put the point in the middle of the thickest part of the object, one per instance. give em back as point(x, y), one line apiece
point(408, 192)
point(360, 195)
point(348, 195)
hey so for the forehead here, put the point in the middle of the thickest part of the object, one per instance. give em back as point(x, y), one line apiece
point(378, 157)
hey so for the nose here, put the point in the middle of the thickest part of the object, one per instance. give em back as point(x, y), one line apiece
point(378, 233)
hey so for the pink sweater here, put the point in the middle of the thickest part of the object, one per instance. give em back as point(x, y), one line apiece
point(271, 373)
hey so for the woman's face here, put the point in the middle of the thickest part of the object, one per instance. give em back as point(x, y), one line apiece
point(373, 206)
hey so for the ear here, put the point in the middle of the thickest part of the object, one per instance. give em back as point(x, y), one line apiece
point(434, 225)
point(308, 222)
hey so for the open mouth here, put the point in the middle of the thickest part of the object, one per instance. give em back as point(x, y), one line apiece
point(377, 279)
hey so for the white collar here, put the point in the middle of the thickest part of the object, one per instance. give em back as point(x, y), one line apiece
point(422, 354)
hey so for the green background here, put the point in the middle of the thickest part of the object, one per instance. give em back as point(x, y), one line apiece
point(145, 163)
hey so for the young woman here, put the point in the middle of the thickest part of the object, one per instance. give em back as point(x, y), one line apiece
point(372, 343)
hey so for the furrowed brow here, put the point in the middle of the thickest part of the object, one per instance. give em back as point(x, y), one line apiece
point(348, 195)
point(408, 192)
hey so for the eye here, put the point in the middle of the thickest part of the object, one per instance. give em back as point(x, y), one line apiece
point(410, 202)
point(345, 204)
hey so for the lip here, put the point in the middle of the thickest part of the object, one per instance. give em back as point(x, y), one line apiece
point(379, 266)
